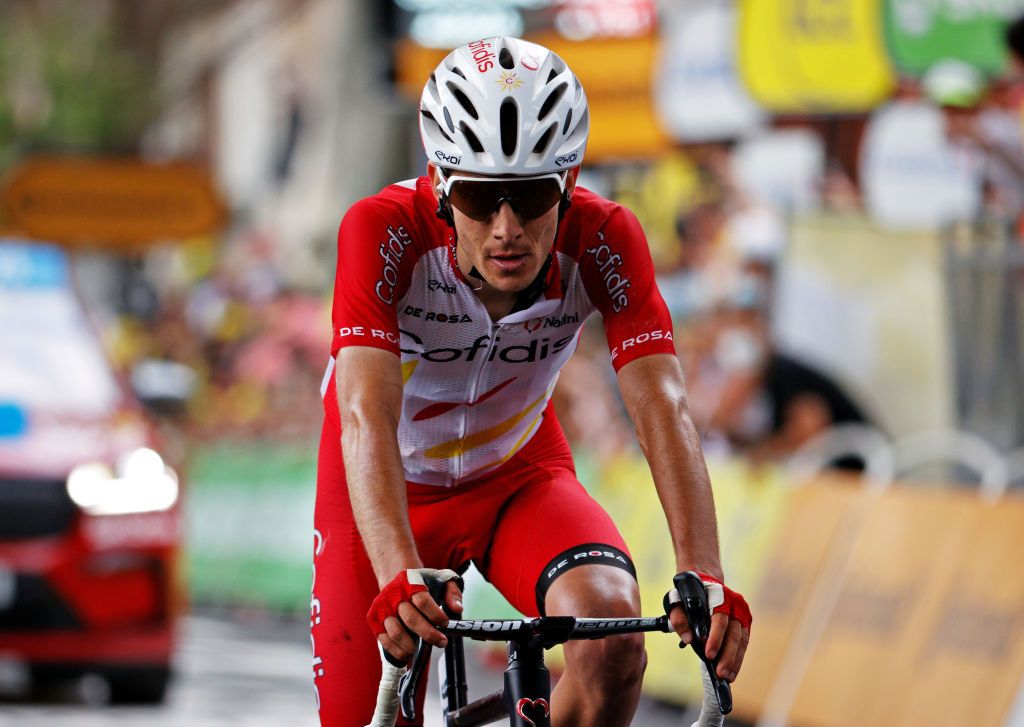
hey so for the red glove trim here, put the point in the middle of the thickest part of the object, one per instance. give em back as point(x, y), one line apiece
point(733, 604)
point(387, 601)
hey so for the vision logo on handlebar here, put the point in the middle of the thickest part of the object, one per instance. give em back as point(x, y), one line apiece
point(525, 699)
point(693, 598)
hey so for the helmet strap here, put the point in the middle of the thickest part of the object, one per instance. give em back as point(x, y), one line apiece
point(563, 205)
point(444, 210)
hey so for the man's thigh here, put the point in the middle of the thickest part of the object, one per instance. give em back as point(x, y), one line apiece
point(550, 527)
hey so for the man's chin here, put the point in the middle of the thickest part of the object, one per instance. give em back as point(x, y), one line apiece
point(510, 282)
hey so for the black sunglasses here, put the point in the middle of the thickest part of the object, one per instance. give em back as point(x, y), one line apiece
point(479, 197)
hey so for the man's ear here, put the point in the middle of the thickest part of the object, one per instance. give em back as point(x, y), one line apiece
point(570, 181)
point(435, 180)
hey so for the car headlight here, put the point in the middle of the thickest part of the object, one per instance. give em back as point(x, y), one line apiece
point(138, 482)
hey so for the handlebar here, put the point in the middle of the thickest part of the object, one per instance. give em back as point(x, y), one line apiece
point(399, 682)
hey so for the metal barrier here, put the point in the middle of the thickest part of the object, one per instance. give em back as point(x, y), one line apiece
point(984, 268)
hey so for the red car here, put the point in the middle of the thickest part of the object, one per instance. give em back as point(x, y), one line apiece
point(90, 519)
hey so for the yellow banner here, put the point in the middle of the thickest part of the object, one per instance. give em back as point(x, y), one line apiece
point(814, 55)
point(616, 73)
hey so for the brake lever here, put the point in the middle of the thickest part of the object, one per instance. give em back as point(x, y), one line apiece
point(694, 601)
point(409, 682)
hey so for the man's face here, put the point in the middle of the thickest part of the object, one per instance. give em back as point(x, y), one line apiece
point(506, 249)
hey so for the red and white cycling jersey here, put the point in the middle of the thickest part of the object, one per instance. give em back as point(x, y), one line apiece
point(476, 389)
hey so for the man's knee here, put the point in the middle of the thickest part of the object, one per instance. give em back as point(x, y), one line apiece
point(613, 665)
point(599, 591)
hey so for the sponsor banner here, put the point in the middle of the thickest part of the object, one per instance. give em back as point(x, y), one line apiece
point(699, 95)
point(848, 293)
point(911, 175)
point(248, 518)
point(921, 33)
point(814, 55)
point(617, 75)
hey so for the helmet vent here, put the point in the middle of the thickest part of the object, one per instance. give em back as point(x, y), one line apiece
point(568, 120)
point(474, 142)
point(430, 118)
point(549, 103)
point(505, 59)
point(545, 140)
point(448, 119)
point(509, 121)
point(552, 74)
point(463, 100)
point(458, 72)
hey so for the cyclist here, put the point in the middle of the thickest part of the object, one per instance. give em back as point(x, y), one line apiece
point(459, 296)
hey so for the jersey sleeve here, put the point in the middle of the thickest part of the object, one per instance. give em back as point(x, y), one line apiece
point(375, 260)
point(618, 274)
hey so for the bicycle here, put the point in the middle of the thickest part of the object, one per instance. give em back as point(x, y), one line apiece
point(526, 697)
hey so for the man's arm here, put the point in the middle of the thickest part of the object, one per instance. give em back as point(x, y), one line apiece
point(370, 404)
point(655, 397)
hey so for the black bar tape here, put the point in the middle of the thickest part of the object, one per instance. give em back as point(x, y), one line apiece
point(585, 554)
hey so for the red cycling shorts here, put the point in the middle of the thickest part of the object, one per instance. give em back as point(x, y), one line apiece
point(514, 524)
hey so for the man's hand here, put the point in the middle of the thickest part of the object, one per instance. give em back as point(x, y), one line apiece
point(730, 623)
point(405, 605)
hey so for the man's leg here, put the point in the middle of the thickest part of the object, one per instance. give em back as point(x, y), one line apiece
point(601, 684)
point(555, 549)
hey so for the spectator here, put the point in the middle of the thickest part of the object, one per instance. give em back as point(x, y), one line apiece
point(989, 134)
point(769, 403)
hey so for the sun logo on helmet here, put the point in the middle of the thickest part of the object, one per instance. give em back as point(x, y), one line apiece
point(509, 81)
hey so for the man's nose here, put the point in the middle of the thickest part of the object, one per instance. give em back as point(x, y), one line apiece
point(507, 225)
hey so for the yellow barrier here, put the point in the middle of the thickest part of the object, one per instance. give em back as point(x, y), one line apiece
point(749, 505)
point(902, 607)
point(965, 660)
point(808, 534)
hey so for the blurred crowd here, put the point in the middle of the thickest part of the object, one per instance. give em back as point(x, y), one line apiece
point(253, 345)
point(252, 348)
point(719, 278)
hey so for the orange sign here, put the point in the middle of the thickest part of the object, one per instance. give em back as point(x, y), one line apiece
point(616, 73)
point(109, 202)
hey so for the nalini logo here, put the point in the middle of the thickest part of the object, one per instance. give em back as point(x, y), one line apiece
point(551, 322)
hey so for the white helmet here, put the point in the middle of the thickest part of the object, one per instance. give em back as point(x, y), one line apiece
point(504, 106)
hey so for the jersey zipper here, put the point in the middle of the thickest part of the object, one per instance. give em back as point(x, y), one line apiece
point(493, 329)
